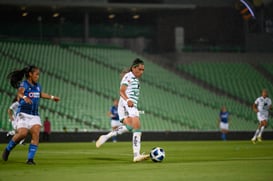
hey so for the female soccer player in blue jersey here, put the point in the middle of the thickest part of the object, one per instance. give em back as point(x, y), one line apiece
point(127, 109)
point(27, 117)
point(224, 119)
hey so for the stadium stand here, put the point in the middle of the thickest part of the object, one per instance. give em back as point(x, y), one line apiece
point(234, 78)
point(87, 79)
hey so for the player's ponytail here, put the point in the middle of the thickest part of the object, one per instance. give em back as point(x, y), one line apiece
point(15, 99)
point(124, 71)
point(17, 76)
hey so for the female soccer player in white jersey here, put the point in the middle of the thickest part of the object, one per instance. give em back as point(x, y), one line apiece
point(12, 110)
point(12, 114)
point(127, 109)
point(261, 107)
point(27, 116)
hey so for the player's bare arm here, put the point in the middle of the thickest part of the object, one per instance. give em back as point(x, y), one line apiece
point(255, 108)
point(48, 96)
point(122, 93)
point(21, 95)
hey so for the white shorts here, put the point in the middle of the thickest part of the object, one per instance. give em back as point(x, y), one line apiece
point(115, 123)
point(262, 116)
point(224, 126)
point(27, 121)
point(124, 111)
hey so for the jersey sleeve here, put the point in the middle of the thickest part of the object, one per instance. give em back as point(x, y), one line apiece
point(257, 101)
point(112, 110)
point(13, 106)
point(23, 85)
point(125, 80)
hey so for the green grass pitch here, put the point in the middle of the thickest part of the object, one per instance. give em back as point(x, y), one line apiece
point(185, 160)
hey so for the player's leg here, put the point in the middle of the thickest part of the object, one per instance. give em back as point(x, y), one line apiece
point(223, 127)
point(21, 134)
point(223, 135)
point(136, 141)
point(254, 138)
point(225, 131)
point(124, 128)
point(33, 146)
point(35, 127)
point(263, 124)
point(260, 119)
point(136, 136)
point(120, 130)
point(115, 124)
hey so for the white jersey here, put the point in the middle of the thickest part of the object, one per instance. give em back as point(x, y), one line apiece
point(133, 88)
point(14, 108)
point(263, 104)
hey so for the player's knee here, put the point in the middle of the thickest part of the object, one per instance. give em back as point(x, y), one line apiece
point(136, 125)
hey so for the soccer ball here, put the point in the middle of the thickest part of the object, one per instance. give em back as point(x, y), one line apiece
point(157, 154)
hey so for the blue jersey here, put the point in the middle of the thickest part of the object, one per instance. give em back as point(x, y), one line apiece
point(224, 117)
point(33, 92)
point(114, 112)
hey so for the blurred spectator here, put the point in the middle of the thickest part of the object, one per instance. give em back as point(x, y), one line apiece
point(47, 130)
point(64, 129)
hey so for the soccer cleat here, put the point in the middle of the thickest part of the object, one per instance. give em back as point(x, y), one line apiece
point(141, 157)
point(102, 139)
point(259, 138)
point(30, 162)
point(5, 155)
point(253, 140)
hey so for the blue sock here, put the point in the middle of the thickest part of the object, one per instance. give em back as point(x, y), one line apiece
point(31, 151)
point(11, 145)
point(114, 138)
point(224, 136)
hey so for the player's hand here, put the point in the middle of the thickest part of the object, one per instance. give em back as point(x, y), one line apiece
point(28, 100)
point(56, 99)
point(130, 103)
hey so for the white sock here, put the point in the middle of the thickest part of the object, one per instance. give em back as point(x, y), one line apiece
point(256, 133)
point(261, 131)
point(136, 143)
point(120, 130)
